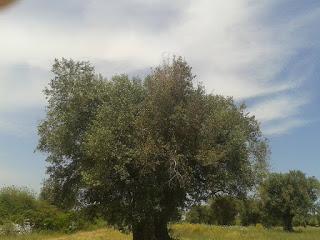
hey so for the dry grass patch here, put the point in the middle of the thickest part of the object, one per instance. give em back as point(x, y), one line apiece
point(105, 234)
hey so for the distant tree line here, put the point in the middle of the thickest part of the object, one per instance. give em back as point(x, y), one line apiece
point(285, 199)
point(289, 199)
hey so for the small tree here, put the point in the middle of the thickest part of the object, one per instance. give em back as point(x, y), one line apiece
point(250, 211)
point(287, 195)
point(224, 210)
point(140, 150)
point(200, 214)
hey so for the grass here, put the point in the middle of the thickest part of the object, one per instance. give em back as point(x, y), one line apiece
point(35, 236)
point(100, 234)
point(187, 232)
point(205, 232)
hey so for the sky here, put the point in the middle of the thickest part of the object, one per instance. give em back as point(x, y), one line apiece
point(265, 53)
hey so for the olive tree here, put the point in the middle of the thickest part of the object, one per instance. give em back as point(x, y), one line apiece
point(286, 195)
point(140, 150)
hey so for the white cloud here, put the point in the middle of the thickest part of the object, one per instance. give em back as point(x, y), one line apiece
point(231, 50)
point(278, 108)
point(284, 127)
point(280, 114)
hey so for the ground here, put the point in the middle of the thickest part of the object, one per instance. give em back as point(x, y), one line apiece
point(188, 232)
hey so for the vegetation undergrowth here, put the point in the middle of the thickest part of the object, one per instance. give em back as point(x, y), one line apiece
point(187, 231)
point(206, 232)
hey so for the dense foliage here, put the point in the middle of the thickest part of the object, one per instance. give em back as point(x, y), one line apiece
point(250, 211)
point(20, 206)
point(201, 214)
point(22, 211)
point(140, 150)
point(225, 209)
point(221, 210)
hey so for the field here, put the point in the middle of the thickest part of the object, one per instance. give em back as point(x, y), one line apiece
point(188, 232)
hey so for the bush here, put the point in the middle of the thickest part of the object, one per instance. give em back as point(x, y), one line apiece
point(220, 211)
point(200, 214)
point(22, 212)
point(250, 212)
point(19, 207)
point(16, 204)
point(224, 210)
point(313, 221)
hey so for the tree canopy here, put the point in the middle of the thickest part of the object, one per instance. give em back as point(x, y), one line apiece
point(141, 149)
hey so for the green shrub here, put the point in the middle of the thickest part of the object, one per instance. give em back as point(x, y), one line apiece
point(200, 214)
point(16, 204)
point(250, 212)
point(20, 206)
point(313, 221)
point(224, 210)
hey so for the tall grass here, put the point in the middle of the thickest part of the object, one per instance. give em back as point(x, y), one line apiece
point(188, 232)
point(206, 232)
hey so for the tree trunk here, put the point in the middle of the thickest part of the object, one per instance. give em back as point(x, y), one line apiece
point(156, 230)
point(287, 226)
point(144, 231)
point(161, 230)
